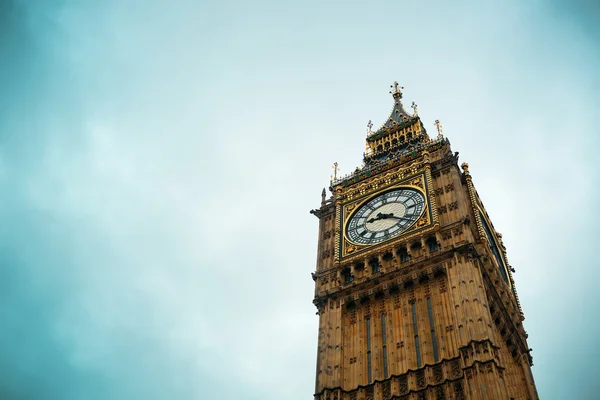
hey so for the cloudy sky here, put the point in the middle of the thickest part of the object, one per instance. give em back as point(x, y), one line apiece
point(158, 160)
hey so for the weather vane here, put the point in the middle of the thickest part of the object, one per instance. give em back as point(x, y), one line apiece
point(439, 127)
point(414, 107)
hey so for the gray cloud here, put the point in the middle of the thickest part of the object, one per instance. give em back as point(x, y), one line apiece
point(157, 166)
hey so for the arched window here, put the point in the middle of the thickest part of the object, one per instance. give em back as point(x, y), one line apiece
point(403, 254)
point(347, 275)
point(374, 263)
point(433, 244)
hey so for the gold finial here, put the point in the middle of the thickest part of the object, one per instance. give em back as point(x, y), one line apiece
point(335, 170)
point(465, 168)
point(396, 90)
point(414, 107)
point(439, 128)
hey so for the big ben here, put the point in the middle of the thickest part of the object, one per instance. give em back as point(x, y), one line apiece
point(414, 292)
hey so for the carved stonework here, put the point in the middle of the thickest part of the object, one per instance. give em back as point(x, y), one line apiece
point(443, 287)
point(396, 301)
point(387, 390)
point(455, 369)
point(439, 393)
point(353, 316)
point(437, 374)
point(403, 385)
point(420, 379)
point(459, 393)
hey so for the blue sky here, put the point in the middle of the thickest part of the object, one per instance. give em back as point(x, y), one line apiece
point(158, 161)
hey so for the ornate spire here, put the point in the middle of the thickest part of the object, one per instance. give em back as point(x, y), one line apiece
point(438, 125)
point(465, 167)
point(336, 169)
point(399, 117)
point(401, 132)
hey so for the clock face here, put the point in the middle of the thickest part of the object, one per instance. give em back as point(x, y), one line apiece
point(494, 248)
point(385, 216)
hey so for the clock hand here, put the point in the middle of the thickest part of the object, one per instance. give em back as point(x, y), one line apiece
point(392, 216)
point(379, 216)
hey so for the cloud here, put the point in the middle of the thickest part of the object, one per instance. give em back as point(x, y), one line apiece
point(157, 165)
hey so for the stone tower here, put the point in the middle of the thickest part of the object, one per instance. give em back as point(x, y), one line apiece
point(414, 293)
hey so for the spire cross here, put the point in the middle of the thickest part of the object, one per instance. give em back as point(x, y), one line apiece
point(439, 127)
point(397, 88)
point(335, 170)
point(369, 126)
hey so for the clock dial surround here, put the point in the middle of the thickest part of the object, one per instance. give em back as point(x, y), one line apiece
point(385, 216)
point(494, 247)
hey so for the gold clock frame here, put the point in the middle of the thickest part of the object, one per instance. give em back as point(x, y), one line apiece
point(419, 180)
point(352, 208)
point(480, 213)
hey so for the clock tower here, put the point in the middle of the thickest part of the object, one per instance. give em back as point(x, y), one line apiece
point(415, 295)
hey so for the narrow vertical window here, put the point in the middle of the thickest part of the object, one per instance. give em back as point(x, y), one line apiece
point(369, 374)
point(433, 340)
point(416, 329)
point(347, 274)
point(403, 254)
point(433, 244)
point(404, 257)
point(385, 360)
point(375, 267)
